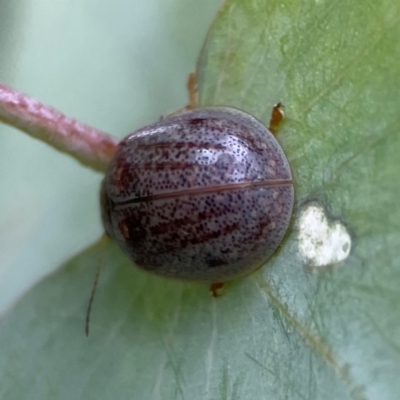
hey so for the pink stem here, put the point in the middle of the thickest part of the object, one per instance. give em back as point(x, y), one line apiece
point(89, 146)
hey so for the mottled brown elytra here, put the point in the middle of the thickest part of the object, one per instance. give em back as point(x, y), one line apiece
point(203, 195)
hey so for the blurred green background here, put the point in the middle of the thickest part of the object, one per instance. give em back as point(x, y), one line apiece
point(115, 65)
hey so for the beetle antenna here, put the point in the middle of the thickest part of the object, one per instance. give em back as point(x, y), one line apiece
point(103, 241)
point(89, 309)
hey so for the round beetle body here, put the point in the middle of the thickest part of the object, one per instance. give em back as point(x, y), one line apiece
point(204, 195)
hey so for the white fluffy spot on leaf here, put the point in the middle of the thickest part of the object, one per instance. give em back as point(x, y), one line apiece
point(322, 242)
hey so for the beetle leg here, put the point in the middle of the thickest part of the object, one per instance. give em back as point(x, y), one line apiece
point(192, 89)
point(276, 117)
point(215, 288)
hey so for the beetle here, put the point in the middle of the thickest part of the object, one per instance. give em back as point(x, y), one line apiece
point(202, 195)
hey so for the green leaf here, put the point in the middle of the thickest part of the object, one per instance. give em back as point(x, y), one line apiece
point(287, 331)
